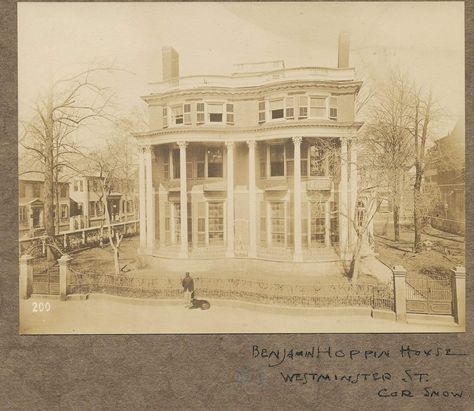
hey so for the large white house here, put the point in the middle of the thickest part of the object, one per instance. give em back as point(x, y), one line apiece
point(221, 152)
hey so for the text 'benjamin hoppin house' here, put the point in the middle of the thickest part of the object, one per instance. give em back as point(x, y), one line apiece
point(221, 152)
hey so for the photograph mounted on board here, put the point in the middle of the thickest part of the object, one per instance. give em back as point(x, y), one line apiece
point(308, 182)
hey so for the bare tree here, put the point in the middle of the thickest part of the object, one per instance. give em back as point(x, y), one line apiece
point(388, 145)
point(106, 167)
point(47, 137)
point(423, 115)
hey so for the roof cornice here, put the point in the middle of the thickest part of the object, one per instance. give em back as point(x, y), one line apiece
point(256, 91)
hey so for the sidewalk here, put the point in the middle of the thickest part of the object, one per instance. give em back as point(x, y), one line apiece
point(115, 315)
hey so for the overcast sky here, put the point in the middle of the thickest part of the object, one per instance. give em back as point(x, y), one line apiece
point(424, 38)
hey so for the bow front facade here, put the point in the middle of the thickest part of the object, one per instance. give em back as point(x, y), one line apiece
point(260, 164)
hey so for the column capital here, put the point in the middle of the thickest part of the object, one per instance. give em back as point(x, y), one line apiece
point(229, 145)
point(459, 271)
point(297, 140)
point(251, 143)
point(146, 149)
point(182, 144)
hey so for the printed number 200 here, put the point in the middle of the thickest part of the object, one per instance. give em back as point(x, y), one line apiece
point(41, 307)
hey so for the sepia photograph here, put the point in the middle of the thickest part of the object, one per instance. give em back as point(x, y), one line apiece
point(258, 167)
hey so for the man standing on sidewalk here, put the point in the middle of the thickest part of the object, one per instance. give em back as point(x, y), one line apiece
point(188, 287)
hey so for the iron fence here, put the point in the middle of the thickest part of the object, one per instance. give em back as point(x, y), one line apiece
point(324, 295)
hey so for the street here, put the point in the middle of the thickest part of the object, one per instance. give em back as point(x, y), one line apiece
point(102, 314)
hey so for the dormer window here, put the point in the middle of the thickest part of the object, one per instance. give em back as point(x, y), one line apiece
point(215, 112)
point(276, 109)
point(177, 115)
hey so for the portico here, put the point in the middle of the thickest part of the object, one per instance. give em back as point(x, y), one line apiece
point(238, 206)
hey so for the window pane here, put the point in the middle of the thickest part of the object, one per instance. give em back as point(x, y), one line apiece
point(276, 104)
point(261, 105)
point(215, 117)
point(200, 107)
point(230, 108)
point(176, 167)
point(214, 108)
point(216, 223)
point(277, 113)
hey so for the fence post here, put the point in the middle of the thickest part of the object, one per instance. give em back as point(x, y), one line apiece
point(63, 275)
point(84, 237)
point(459, 295)
point(399, 285)
point(26, 276)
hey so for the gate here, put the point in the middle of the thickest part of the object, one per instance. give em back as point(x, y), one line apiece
point(46, 278)
point(429, 296)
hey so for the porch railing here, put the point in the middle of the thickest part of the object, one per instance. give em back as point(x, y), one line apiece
point(76, 239)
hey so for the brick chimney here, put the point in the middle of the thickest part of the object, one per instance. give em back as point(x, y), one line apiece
point(170, 63)
point(343, 50)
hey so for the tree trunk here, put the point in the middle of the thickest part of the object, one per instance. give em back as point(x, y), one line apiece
point(355, 262)
point(417, 218)
point(396, 222)
point(116, 261)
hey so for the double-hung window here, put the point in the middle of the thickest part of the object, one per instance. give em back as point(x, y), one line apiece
point(215, 112)
point(261, 111)
point(229, 113)
point(277, 160)
point(289, 108)
point(215, 162)
point(317, 107)
point(276, 109)
point(216, 223)
point(333, 108)
point(166, 163)
point(22, 215)
point(165, 117)
point(302, 107)
point(64, 211)
point(200, 117)
point(317, 163)
point(177, 114)
point(187, 113)
point(176, 165)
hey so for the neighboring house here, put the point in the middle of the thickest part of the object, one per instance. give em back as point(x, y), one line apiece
point(31, 205)
point(87, 209)
point(445, 170)
point(221, 151)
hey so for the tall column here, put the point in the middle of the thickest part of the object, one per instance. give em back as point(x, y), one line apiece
point(150, 199)
point(343, 209)
point(298, 256)
point(183, 199)
point(142, 197)
point(230, 199)
point(353, 192)
point(252, 250)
